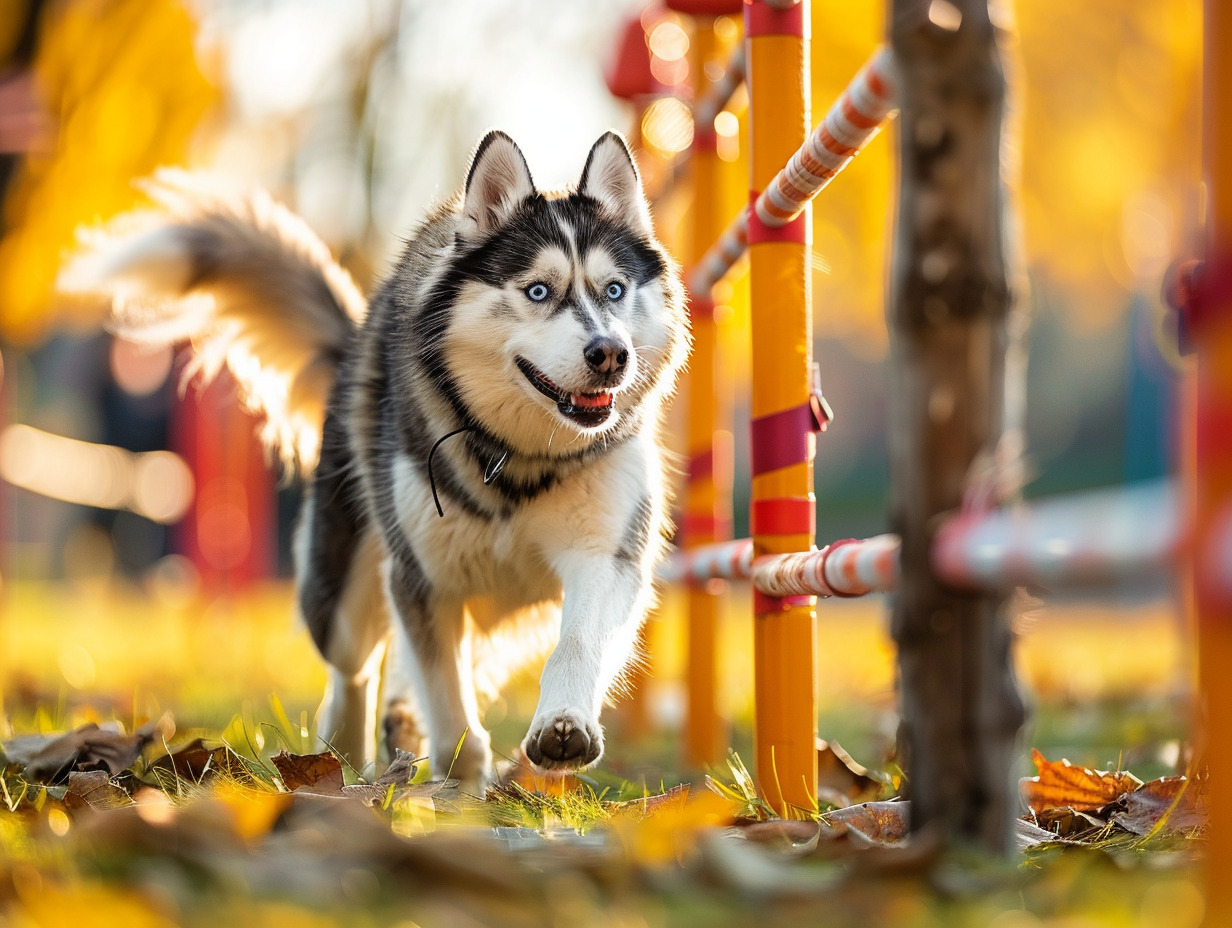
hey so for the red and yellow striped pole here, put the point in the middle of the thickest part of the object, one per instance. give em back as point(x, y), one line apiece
point(782, 513)
point(707, 502)
point(1211, 321)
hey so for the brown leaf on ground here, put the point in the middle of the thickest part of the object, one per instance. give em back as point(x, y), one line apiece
point(673, 800)
point(1029, 835)
point(318, 774)
point(1181, 803)
point(94, 788)
point(840, 780)
point(394, 783)
point(88, 748)
point(197, 763)
point(883, 823)
point(1068, 822)
point(1060, 784)
point(399, 773)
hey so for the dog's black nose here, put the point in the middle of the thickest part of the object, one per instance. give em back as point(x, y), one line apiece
point(606, 356)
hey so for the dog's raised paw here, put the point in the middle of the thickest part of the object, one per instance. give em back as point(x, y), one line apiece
point(563, 742)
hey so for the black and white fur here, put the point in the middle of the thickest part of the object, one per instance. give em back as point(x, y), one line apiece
point(547, 331)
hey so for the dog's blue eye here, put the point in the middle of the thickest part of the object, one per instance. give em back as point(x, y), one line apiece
point(615, 291)
point(537, 292)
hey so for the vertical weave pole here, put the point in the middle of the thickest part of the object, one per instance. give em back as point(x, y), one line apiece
point(949, 305)
point(707, 502)
point(784, 635)
point(1211, 496)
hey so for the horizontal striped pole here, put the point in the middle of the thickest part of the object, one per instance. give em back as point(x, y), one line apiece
point(843, 568)
point(1091, 539)
point(853, 120)
point(1099, 538)
point(848, 568)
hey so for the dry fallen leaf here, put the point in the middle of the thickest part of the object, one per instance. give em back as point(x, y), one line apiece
point(1179, 802)
point(1068, 822)
point(88, 748)
point(1060, 784)
point(197, 763)
point(318, 774)
point(840, 780)
point(671, 801)
point(883, 823)
point(95, 789)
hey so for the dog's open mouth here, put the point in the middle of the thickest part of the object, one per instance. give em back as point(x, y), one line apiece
point(586, 409)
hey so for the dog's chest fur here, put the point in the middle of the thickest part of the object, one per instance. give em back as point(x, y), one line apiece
point(513, 555)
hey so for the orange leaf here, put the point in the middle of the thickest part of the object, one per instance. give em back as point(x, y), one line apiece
point(1060, 785)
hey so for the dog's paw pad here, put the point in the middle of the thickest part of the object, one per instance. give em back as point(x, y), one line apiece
point(563, 742)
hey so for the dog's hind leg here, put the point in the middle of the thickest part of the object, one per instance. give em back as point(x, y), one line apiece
point(442, 666)
point(402, 723)
point(354, 650)
point(338, 558)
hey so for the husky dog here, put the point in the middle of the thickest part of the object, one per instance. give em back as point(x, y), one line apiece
point(483, 437)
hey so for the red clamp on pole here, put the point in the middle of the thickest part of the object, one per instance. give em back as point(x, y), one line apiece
point(700, 306)
point(760, 18)
point(785, 438)
point(785, 516)
point(763, 604)
point(799, 230)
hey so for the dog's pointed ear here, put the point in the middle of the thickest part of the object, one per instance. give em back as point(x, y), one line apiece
point(611, 177)
point(496, 184)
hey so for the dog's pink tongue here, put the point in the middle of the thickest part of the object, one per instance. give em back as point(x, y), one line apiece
point(591, 400)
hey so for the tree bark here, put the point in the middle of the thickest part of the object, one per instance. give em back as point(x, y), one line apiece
point(949, 317)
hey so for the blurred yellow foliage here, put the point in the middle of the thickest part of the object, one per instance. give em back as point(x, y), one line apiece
point(121, 82)
point(76, 904)
point(1105, 108)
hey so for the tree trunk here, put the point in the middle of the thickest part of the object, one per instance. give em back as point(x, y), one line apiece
point(949, 313)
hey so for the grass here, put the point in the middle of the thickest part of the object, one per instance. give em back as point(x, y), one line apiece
point(1109, 685)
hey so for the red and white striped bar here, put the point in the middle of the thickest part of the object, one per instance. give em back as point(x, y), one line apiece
point(1098, 538)
point(722, 256)
point(727, 560)
point(720, 92)
point(844, 568)
point(853, 120)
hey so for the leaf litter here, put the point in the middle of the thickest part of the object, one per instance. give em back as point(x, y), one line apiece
point(293, 825)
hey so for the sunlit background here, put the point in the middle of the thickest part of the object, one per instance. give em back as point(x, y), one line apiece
point(359, 115)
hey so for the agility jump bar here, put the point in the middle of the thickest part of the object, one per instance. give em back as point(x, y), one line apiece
point(857, 116)
point(846, 568)
point(718, 95)
point(1093, 539)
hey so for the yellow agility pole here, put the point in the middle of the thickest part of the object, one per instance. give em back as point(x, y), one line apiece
point(707, 499)
point(782, 441)
point(1209, 318)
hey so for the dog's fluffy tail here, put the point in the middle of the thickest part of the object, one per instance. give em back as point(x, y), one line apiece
point(247, 283)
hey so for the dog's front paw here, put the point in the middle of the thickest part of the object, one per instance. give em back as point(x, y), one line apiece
point(563, 741)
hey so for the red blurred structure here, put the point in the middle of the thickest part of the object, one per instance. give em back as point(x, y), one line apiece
point(228, 533)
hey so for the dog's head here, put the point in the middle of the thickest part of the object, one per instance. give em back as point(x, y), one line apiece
point(567, 323)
